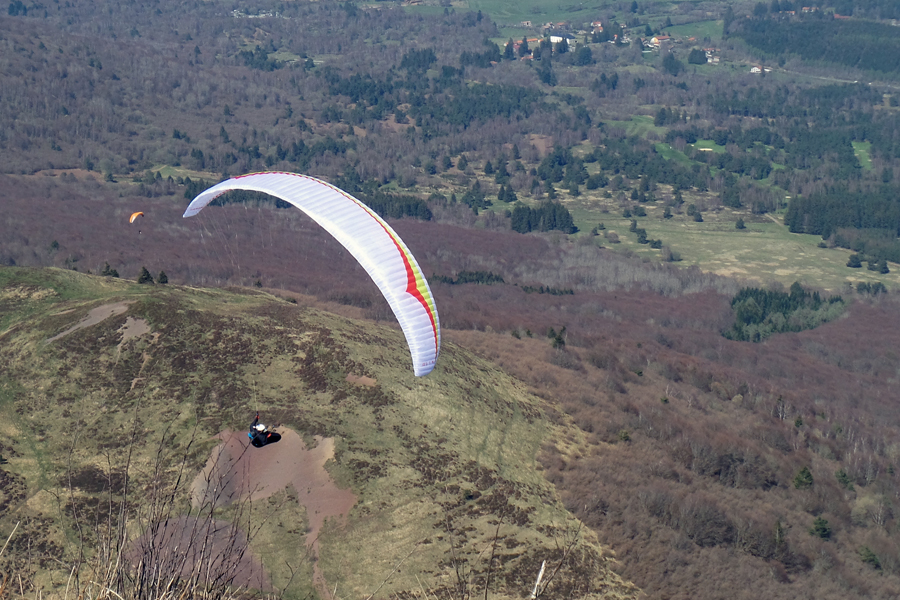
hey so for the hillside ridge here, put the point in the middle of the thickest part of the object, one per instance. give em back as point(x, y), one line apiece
point(444, 468)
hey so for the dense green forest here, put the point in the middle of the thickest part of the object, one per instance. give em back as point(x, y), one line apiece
point(864, 45)
point(872, 9)
point(822, 214)
point(759, 313)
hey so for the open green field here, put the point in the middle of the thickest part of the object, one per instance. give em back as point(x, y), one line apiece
point(709, 145)
point(669, 153)
point(432, 9)
point(505, 12)
point(639, 125)
point(765, 251)
point(863, 152)
point(699, 30)
point(514, 33)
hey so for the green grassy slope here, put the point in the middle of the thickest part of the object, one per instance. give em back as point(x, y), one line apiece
point(443, 466)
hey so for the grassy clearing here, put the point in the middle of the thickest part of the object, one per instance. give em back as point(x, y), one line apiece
point(426, 9)
point(168, 171)
point(505, 11)
point(699, 30)
point(645, 68)
point(764, 252)
point(514, 33)
point(863, 151)
point(670, 153)
point(639, 125)
point(285, 56)
point(709, 145)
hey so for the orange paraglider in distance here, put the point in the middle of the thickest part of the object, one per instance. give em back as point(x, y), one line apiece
point(135, 216)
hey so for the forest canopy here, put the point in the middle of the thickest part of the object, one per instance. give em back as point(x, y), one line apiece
point(860, 44)
point(759, 313)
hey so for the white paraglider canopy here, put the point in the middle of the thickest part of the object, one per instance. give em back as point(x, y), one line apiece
point(371, 241)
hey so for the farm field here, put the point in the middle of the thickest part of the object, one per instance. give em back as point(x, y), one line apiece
point(764, 251)
point(506, 12)
point(700, 30)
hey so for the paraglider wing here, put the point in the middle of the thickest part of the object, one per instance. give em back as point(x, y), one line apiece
point(371, 241)
point(135, 216)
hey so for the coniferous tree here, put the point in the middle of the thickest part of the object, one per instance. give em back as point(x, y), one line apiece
point(870, 558)
point(508, 51)
point(803, 479)
point(162, 278)
point(697, 57)
point(844, 479)
point(672, 65)
point(145, 276)
point(821, 528)
point(108, 271)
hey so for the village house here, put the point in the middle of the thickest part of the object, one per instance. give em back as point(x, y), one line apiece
point(657, 40)
point(556, 38)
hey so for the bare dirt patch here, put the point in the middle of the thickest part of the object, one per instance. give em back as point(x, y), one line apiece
point(237, 471)
point(96, 315)
point(133, 329)
point(361, 380)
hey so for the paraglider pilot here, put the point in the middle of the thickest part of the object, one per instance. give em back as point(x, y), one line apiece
point(260, 435)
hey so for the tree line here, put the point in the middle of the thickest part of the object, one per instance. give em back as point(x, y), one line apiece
point(826, 212)
point(855, 43)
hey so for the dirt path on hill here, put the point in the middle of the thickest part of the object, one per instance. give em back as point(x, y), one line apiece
point(96, 315)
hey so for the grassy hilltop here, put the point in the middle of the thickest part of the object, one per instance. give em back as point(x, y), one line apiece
point(112, 392)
